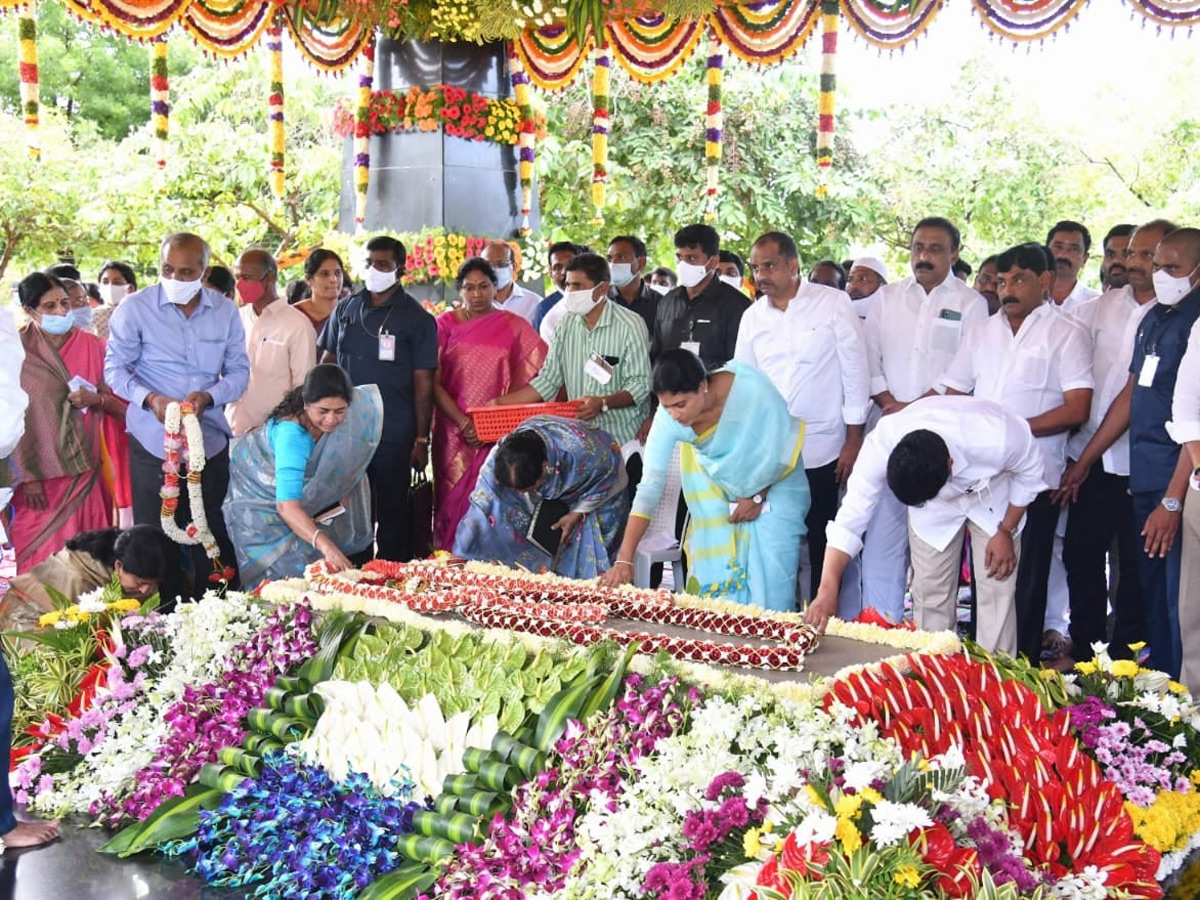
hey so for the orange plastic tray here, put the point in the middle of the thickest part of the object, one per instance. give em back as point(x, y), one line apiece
point(494, 422)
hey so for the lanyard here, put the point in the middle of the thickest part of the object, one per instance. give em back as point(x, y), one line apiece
point(363, 323)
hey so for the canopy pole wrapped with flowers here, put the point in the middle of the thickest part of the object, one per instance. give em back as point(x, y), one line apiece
point(714, 121)
point(160, 98)
point(825, 101)
point(526, 142)
point(275, 105)
point(362, 135)
point(600, 128)
point(28, 67)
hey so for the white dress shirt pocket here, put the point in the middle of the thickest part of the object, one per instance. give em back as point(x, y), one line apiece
point(1031, 370)
point(945, 335)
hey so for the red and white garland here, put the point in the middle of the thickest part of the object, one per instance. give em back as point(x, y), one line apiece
point(185, 443)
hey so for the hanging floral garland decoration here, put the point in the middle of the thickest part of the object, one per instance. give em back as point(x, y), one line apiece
point(362, 134)
point(829, 36)
point(527, 138)
point(184, 439)
point(600, 123)
point(28, 67)
point(714, 121)
point(160, 97)
point(275, 105)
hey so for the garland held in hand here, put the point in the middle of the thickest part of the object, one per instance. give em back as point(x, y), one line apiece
point(184, 438)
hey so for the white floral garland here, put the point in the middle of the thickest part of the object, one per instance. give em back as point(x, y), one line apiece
point(193, 441)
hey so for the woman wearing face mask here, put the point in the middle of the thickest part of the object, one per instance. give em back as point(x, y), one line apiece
point(482, 352)
point(298, 489)
point(136, 557)
point(548, 458)
point(743, 481)
point(58, 464)
point(323, 271)
point(116, 281)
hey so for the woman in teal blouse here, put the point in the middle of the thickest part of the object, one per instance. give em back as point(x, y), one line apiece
point(298, 489)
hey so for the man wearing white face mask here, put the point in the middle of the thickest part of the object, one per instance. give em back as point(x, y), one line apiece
point(179, 341)
point(510, 296)
point(627, 263)
point(599, 353)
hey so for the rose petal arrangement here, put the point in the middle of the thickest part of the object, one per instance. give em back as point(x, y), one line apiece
point(435, 730)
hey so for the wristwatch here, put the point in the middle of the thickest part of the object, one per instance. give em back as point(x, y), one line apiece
point(758, 499)
point(1171, 505)
point(603, 404)
point(422, 440)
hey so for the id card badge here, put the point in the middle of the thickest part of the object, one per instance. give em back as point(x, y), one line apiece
point(387, 348)
point(598, 368)
point(691, 347)
point(1149, 367)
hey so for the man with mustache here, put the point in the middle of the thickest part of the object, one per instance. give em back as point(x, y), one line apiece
point(985, 284)
point(807, 340)
point(1158, 469)
point(1036, 363)
point(913, 330)
point(1113, 273)
point(1069, 242)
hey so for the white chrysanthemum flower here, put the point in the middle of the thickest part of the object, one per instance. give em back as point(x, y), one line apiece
point(893, 821)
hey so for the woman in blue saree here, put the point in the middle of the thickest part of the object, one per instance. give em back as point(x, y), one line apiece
point(548, 458)
point(298, 489)
point(742, 477)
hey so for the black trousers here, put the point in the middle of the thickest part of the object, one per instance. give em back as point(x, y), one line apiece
point(1033, 572)
point(188, 567)
point(1104, 511)
point(390, 473)
point(823, 506)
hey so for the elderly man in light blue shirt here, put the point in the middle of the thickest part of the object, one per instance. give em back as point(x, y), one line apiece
point(178, 341)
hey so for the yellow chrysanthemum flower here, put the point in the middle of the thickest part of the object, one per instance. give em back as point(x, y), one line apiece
point(849, 806)
point(1124, 668)
point(1087, 667)
point(907, 876)
point(125, 604)
point(870, 795)
point(1176, 688)
point(850, 837)
point(1138, 647)
point(751, 844)
point(49, 618)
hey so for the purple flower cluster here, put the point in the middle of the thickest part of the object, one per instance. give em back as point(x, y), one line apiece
point(209, 716)
point(535, 846)
point(1087, 716)
point(997, 856)
point(1132, 756)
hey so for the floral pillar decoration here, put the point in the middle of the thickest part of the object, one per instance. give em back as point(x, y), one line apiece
point(600, 123)
point(362, 134)
point(829, 35)
point(527, 135)
point(160, 97)
point(28, 68)
point(714, 121)
point(275, 104)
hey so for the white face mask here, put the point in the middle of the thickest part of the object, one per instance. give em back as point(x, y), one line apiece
point(661, 289)
point(1170, 289)
point(114, 293)
point(690, 274)
point(622, 273)
point(82, 317)
point(733, 281)
point(180, 292)
point(579, 302)
point(377, 282)
point(503, 276)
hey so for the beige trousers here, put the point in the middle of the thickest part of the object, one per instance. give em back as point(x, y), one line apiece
point(935, 589)
point(1189, 593)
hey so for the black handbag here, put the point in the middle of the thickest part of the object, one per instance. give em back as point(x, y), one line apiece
point(420, 516)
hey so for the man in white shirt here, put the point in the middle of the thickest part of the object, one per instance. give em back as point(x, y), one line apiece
point(279, 341)
point(1113, 273)
point(985, 284)
point(867, 275)
point(913, 330)
point(1184, 428)
point(1069, 242)
point(807, 340)
point(510, 296)
point(1096, 483)
point(955, 464)
point(1036, 363)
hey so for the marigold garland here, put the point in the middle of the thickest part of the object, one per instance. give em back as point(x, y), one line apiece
point(714, 121)
point(362, 135)
point(160, 98)
point(275, 105)
point(527, 139)
point(28, 67)
point(600, 127)
point(829, 35)
point(458, 112)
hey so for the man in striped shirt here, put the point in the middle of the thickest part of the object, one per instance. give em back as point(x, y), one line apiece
point(600, 353)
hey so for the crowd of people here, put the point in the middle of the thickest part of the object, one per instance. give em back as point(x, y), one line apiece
point(812, 422)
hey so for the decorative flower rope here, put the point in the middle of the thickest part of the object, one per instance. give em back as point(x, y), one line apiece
point(825, 101)
point(600, 126)
point(527, 140)
point(28, 67)
point(714, 121)
point(160, 97)
point(275, 105)
point(362, 135)
point(188, 442)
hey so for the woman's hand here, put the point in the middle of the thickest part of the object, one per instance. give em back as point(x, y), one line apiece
point(745, 511)
point(620, 573)
point(567, 523)
point(33, 495)
point(84, 399)
point(469, 434)
point(335, 559)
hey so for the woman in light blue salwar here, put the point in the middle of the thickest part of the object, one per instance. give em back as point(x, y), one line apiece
point(743, 480)
point(298, 489)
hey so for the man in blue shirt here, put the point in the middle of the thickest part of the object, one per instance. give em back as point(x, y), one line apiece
point(382, 336)
point(177, 341)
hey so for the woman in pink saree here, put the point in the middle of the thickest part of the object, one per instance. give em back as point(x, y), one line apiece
point(57, 467)
point(483, 352)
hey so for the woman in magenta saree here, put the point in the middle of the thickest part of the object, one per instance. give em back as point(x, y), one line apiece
point(57, 466)
point(483, 352)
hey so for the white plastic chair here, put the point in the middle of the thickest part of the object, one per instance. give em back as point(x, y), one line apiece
point(659, 544)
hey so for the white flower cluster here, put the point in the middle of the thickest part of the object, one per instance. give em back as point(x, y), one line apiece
point(539, 13)
point(1085, 885)
point(202, 634)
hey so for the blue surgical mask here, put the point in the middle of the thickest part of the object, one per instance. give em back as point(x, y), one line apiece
point(56, 324)
point(82, 317)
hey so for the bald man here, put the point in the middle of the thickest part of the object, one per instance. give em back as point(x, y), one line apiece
point(279, 341)
point(510, 296)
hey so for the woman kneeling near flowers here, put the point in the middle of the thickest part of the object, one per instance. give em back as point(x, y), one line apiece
point(298, 489)
point(742, 476)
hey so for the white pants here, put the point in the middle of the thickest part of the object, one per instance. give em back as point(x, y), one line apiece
point(1058, 600)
